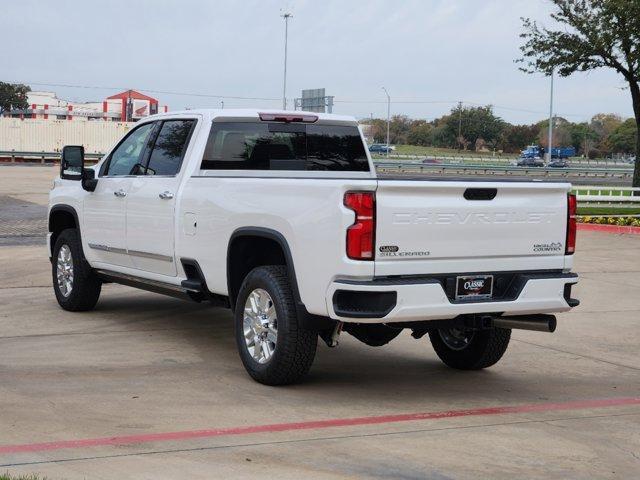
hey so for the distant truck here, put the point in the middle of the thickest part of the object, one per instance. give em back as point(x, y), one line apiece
point(536, 151)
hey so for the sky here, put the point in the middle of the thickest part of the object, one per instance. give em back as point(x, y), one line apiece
point(429, 54)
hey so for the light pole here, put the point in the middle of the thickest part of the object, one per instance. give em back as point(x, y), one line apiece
point(550, 120)
point(286, 17)
point(459, 126)
point(388, 117)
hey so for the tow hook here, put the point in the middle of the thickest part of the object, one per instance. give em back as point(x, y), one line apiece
point(330, 337)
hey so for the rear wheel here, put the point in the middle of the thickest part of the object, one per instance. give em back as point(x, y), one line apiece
point(275, 349)
point(467, 349)
point(75, 284)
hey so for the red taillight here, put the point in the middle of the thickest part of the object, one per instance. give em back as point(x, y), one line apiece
point(572, 210)
point(360, 235)
point(287, 118)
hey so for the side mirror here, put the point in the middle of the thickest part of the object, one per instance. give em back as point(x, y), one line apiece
point(89, 180)
point(72, 162)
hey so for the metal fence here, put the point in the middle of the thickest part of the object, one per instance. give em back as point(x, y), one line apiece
point(620, 197)
point(444, 169)
point(501, 159)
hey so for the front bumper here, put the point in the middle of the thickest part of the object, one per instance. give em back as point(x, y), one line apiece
point(407, 299)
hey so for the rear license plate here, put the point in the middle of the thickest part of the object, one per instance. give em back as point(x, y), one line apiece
point(474, 287)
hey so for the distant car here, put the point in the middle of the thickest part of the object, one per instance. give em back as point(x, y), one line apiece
point(380, 148)
point(530, 162)
point(558, 164)
point(432, 161)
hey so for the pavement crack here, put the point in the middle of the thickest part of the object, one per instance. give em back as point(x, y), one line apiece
point(622, 365)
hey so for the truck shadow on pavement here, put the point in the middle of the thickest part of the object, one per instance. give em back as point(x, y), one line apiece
point(404, 369)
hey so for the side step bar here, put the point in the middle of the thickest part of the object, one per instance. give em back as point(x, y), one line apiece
point(146, 284)
point(190, 289)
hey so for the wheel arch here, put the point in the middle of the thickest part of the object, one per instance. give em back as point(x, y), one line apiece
point(61, 217)
point(245, 237)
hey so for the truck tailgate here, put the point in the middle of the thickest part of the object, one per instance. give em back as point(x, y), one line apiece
point(427, 227)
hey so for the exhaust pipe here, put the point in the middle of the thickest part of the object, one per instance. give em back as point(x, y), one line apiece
point(539, 322)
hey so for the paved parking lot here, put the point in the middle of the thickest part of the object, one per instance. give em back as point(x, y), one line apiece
point(147, 386)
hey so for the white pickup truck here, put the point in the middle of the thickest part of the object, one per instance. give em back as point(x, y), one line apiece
point(280, 217)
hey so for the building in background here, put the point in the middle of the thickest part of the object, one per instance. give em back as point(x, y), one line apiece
point(127, 106)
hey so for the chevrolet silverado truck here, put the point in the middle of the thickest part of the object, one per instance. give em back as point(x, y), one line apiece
point(280, 217)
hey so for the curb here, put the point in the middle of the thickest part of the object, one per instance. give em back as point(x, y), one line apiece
point(594, 227)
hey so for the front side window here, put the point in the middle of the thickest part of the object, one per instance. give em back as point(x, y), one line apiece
point(169, 148)
point(126, 159)
point(276, 146)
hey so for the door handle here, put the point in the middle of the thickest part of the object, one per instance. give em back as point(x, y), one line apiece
point(120, 193)
point(166, 195)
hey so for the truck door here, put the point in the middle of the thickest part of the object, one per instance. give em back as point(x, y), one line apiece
point(104, 226)
point(150, 219)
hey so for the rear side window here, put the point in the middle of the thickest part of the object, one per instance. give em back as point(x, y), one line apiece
point(276, 146)
point(169, 148)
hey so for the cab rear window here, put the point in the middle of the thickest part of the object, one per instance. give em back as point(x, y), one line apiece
point(278, 146)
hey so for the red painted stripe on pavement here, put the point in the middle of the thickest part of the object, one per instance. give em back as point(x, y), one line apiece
point(316, 424)
point(594, 227)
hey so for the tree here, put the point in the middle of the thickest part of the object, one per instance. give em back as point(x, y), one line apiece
point(13, 96)
point(475, 123)
point(592, 34)
point(623, 139)
point(399, 129)
point(584, 137)
point(561, 132)
point(420, 133)
point(516, 137)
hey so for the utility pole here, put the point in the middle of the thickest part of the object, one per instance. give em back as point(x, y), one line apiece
point(388, 117)
point(550, 120)
point(286, 17)
point(459, 125)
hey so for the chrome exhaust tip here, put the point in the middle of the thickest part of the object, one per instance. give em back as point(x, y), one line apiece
point(539, 322)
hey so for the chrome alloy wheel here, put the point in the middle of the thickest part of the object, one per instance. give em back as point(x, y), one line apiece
point(260, 325)
point(64, 271)
point(456, 338)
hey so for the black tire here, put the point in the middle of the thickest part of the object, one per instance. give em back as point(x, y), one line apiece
point(86, 286)
point(484, 349)
point(295, 348)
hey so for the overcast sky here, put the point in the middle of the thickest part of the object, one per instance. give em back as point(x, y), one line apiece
point(438, 51)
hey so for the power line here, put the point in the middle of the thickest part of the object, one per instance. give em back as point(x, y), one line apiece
point(400, 100)
point(162, 92)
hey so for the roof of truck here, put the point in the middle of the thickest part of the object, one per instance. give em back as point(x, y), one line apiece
point(254, 113)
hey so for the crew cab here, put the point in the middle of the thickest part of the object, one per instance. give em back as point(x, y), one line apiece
point(280, 217)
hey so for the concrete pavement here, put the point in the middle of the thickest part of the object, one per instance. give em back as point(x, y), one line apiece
point(142, 364)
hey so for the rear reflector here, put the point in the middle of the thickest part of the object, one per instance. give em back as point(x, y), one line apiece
point(572, 210)
point(360, 235)
point(287, 118)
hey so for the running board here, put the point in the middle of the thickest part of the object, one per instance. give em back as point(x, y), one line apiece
point(148, 285)
point(188, 290)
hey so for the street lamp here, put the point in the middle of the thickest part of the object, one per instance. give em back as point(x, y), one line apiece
point(550, 119)
point(388, 116)
point(286, 17)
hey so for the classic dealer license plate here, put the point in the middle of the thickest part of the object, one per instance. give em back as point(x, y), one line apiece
point(474, 287)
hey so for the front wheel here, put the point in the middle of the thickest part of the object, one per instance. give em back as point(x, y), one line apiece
point(75, 284)
point(275, 349)
point(467, 349)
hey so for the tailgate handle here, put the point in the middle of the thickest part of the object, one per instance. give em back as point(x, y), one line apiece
point(480, 193)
